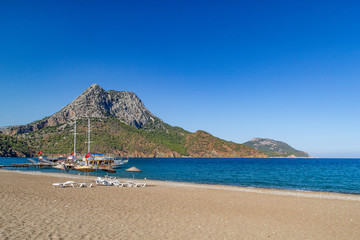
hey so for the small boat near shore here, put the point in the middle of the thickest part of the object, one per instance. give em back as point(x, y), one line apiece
point(84, 168)
point(101, 159)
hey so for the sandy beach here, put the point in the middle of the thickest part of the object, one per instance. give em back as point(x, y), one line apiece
point(30, 208)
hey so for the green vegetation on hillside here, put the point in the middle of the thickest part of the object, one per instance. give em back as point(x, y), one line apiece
point(10, 146)
point(171, 137)
point(108, 136)
point(203, 144)
point(155, 139)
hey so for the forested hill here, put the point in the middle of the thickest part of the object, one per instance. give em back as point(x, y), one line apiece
point(275, 148)
point(14, 147)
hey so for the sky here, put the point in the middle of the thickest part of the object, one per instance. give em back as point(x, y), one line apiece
point(285, 70)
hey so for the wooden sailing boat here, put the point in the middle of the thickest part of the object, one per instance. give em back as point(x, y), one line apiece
point(86, 167)
point(100, 161)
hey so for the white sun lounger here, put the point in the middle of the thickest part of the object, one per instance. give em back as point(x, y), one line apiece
point(65, 184)
point(69, 184)
point(139, 184)
point(84, 185)
point(117, 183)
point(124, 184)
point(107, 182)
point(58, 185)
point(134, 184)
point(98, 180)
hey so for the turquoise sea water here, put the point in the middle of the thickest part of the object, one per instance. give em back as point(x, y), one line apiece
point(325, 175)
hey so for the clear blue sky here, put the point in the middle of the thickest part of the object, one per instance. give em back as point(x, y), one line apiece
point(286, 70)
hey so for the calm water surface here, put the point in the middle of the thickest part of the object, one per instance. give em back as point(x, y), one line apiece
point(326, 175)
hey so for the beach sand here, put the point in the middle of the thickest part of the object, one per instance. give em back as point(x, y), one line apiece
point(30, 208)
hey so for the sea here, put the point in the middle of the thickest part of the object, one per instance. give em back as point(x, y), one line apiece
point(339, 175)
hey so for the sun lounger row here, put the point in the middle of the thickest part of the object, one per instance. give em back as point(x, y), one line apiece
point(106, 182)
point(71, 184)
point(134, 184)
point(100, 181)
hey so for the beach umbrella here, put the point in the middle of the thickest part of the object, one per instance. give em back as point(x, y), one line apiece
point(133, 169)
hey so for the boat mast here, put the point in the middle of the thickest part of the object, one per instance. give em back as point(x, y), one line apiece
point(89, 135)
point(75, 140)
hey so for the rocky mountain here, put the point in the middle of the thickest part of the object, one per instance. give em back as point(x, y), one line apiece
point(94, 102)
point(121, 125)
point(275, 148)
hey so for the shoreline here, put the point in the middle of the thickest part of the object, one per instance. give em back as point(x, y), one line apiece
point(272, 191)
point(31, 208)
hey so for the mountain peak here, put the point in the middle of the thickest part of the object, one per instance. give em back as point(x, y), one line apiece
point(94, 85)
point(95, 102)
point(256, 139)
point(93, 89)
